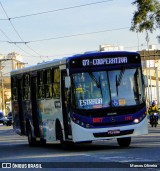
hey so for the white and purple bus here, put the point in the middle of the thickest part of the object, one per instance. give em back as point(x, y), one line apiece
point(82, 98)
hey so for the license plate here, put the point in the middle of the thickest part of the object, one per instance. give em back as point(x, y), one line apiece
point(113, 132)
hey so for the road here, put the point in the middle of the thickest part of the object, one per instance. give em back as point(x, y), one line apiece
point(143, 150)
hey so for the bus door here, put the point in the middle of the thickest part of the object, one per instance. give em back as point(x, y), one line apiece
point(35, 115)
point(21, 113)
point(65, 106)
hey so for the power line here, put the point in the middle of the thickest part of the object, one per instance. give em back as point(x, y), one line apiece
point(9, 40)
point(75, 35)
point(10, 22)
point(56, 10)
point(66, 36)
point(5, 36)
point(9, 19)
point(15, 43)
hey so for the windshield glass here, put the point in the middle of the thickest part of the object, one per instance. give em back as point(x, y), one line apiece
point(103, 89)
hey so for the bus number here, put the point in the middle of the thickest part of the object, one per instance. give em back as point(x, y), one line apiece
point(85, 62)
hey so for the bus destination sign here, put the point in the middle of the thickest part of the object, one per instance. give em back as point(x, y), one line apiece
point(104, 61)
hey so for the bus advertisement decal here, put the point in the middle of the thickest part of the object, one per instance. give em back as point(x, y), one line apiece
point(57, 104)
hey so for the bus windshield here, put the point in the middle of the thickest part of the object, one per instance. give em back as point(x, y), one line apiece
point(103, 89)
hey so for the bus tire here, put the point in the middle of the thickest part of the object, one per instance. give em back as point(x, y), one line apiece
point(31, 140)
point(59, 134)
point(124, 142)
point(42, 142)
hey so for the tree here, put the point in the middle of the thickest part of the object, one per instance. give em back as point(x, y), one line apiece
point(147, 17)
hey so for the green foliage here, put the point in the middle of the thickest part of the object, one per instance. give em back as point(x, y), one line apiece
point(147, 16)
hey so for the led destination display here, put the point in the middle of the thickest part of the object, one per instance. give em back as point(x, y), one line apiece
point(104, 61)
point(90, 61)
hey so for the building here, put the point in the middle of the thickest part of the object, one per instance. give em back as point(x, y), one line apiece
point(151, 69)
point(107, 47)
point(7, 63)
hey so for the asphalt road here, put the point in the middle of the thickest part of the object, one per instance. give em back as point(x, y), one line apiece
point(144, 153)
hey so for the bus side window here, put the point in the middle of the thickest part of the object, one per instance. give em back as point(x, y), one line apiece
point(56, 83)
point(41, 90)
point(26, 88)
point(48, 84)
point(14, 88)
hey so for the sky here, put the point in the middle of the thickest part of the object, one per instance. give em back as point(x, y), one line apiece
point(52, 29)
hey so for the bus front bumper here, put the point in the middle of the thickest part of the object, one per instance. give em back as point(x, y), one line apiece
point(81, 134)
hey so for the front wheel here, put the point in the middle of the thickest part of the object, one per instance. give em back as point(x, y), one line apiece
point(124, 142)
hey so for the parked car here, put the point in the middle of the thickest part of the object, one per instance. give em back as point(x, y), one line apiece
point(9, 120)
point(2, 118)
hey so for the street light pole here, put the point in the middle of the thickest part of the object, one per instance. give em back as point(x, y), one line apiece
point(2, 87)
point(2, 84)
point(3, 100)
point(157, 84)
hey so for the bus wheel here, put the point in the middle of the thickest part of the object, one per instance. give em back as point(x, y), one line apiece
point(42, 142)
point(31, 140)
point(59, 134)
point(124, 142)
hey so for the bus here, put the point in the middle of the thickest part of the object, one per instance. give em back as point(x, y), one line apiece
point(82, 98)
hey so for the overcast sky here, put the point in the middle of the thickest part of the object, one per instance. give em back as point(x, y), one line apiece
point(66, 27)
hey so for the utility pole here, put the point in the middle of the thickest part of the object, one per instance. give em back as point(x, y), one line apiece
point(157, 84)
point(2, 87)
point(2, 84)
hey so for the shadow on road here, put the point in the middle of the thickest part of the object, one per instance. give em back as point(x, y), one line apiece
point(9, 139)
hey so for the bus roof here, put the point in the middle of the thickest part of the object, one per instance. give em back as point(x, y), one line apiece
point(97, 53)
point(58, 62)
point(55, 62)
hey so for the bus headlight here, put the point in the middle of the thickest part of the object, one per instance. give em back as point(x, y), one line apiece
point(136, 121)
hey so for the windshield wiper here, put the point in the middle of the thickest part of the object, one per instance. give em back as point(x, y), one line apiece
point(98, 82)
point(94, 79)
point(119, 78)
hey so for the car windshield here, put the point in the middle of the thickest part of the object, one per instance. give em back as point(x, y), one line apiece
point(103, 89)
point(9, 114)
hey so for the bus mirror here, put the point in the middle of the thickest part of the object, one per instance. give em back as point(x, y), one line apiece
point(145, 80)
point(67, 82)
